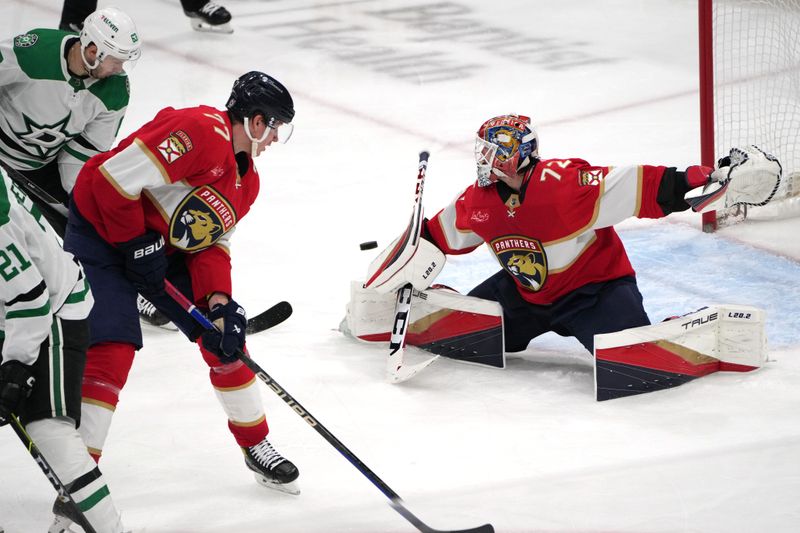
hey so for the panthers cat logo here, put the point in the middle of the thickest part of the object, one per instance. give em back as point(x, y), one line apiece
point(201, 226)
point(200, 220)
point(523, 258)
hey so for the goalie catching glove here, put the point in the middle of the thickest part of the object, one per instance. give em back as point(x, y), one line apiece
point(747, 176)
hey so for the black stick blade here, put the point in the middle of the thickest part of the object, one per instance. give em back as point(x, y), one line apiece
point(397, 505)
point(269, 318)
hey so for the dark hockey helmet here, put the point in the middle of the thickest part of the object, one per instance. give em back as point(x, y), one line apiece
point(504, 145)
point(258, 93)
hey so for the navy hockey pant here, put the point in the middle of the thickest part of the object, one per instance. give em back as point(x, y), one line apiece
point(115, 315)
point(604, 307)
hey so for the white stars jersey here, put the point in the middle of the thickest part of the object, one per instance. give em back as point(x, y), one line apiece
point(38, 279)
point(46, 113)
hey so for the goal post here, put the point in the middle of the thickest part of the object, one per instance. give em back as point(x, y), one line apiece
point(750, 85)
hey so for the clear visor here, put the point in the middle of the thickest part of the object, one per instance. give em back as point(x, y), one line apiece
point(117, 64)
point(283, 132)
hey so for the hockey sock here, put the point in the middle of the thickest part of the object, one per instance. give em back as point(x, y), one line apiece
point(63, 448)
point(237, 392)
point(107, 367)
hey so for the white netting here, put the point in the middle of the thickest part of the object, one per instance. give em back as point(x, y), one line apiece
point(757, 81)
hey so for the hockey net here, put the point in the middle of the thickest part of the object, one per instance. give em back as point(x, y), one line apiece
point(750, 92)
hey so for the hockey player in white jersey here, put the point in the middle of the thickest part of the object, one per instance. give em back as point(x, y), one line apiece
point(62, 100)
point(44, 303)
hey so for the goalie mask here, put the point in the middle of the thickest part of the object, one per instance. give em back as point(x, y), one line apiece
point(504, 145)
point(256, 93)
point(114, 34)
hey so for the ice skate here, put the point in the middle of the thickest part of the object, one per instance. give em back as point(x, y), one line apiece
point(148, 314)
point(63, 519)
point(271, 469)
point(212, 18)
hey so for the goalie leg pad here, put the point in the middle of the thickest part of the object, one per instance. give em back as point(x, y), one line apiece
point(442, 322)
point(665, 355)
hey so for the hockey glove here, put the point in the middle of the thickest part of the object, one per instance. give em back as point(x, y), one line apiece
point(16, 384)
point(145, 262)
point(231, 321)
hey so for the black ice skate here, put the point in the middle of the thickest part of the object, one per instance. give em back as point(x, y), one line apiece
point(271, 469)
point(210, 18)
point(148, 314)
point(64, 518)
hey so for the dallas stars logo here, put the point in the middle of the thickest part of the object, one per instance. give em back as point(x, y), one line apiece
point(45, 139)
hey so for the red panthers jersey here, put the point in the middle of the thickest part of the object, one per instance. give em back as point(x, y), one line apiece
point(176, 175)
point(556, 234)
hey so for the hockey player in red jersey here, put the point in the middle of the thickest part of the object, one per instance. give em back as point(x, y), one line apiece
point(550, 223)
point(164, 204)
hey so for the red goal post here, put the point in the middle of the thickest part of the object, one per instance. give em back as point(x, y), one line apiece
point(750, 85)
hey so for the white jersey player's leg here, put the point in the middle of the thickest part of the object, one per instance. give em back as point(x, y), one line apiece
point(60, 443)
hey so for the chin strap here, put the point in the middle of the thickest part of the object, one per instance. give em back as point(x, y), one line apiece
point(253, 141)
point(86, 63)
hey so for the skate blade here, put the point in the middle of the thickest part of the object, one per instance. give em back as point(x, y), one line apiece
point(199, 25)
point(289, 488)
point(61, 524)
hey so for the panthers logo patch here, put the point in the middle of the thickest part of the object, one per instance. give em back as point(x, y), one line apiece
point(523, 258)
point(200, 220)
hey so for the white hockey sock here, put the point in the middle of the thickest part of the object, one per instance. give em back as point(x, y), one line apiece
point(242, 404)
point(62, 446)
point(95, 423)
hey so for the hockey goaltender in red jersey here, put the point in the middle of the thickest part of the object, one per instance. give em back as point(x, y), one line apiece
point(549, 222)
point(163, 205)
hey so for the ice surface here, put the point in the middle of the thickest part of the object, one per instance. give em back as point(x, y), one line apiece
point(526, 448)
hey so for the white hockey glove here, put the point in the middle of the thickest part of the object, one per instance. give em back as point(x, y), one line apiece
point(748, 176)
point(401, 263)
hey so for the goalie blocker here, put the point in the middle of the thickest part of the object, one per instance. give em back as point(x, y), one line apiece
point(650, 358)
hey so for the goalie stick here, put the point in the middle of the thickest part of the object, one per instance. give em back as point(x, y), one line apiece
point(52, 477)
point(396, 370)
point(395, 501)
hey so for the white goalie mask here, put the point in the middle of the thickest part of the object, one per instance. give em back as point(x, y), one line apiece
point(114, 34)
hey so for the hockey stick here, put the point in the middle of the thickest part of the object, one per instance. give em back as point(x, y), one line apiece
point(269, 318)
point(63, 493)
point(45, 201)
point(53, 210)
point(396, 371)
point(395, 501)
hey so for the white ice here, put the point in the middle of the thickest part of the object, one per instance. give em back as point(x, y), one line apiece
point(526, 448)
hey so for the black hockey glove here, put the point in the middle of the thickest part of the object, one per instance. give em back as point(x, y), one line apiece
point(231, 320)
point(16, 384)
point(145, 262)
